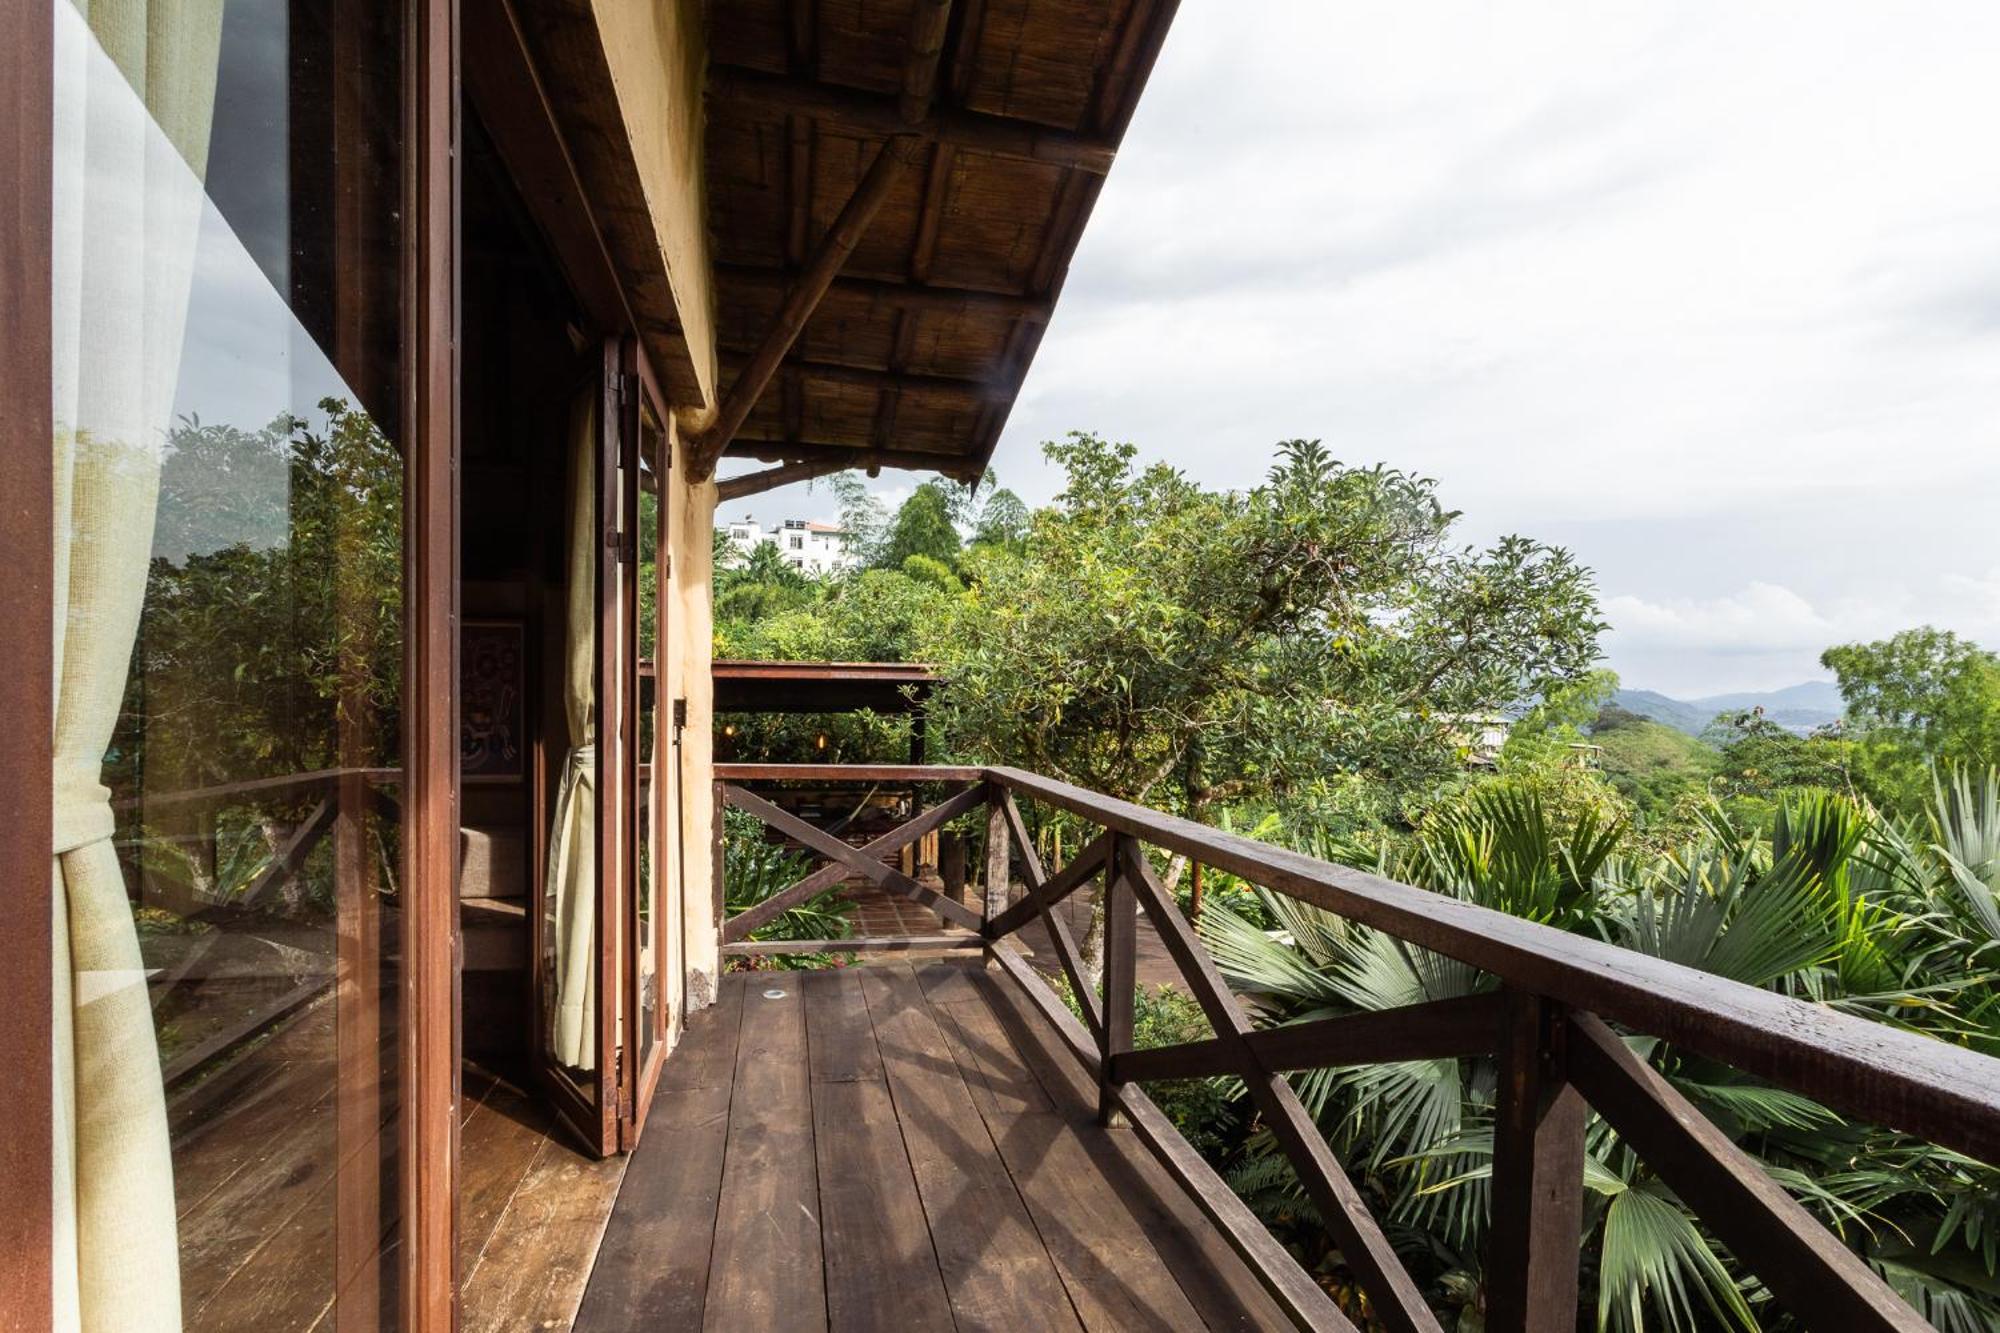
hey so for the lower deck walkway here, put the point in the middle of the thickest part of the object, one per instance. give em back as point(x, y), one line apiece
point(902, 1147)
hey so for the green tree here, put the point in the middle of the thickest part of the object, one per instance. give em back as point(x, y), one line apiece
point(1918, 700)
point(1162, 641)
point(753, 589)
point(1002, 521)
point(922, 526)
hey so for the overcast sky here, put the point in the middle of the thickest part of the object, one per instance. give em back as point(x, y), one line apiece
point(1709, 293)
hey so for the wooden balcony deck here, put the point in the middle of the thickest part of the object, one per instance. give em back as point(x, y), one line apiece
point(898, 1146)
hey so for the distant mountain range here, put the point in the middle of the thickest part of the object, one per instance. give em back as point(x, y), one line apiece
point(1796, 708)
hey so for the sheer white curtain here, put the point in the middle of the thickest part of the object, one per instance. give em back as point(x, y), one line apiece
point(135, 94)
point(572, 870)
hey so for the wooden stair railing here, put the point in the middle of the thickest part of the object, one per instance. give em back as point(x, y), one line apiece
point(1547, 1025)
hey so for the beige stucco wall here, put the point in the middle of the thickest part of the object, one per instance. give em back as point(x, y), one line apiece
point(687, 661)
point(657, 52)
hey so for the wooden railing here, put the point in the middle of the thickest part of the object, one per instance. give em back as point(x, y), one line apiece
point(1547, 1025)
point(334, 795)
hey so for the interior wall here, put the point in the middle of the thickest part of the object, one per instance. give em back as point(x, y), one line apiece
point(688, 658)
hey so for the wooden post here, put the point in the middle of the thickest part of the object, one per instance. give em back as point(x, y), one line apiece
point(718, 842)
point(1121, 933)
point(997, 848)
point(951, 864)
point(1194, 895)
point(1537, 1222)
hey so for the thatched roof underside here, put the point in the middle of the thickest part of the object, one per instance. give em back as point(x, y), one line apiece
point(914, 356)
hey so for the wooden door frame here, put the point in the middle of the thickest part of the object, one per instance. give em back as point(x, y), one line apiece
point(429, 1020)
point(642, 1076)
point(27, 665)
point(427, 996)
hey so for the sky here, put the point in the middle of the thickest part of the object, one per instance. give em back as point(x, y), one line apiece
point(1707, 293)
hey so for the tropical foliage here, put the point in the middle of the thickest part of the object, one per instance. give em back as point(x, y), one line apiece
point(1834, 902)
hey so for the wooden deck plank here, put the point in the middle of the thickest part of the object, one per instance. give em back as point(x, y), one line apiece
point(881, 1268)
point(705, 1056)
point(534, 1268)
point(997, 1075)
point(1112, 1268)
point(766, 1269)
point(652, 1266)
point(996, 1269)
point(1211, 1274)
point(840, 1040)
point(498, 1146)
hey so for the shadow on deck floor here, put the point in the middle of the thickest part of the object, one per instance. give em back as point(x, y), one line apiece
point(898, 1147)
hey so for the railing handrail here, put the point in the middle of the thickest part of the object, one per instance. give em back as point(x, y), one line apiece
point(277, 785)
point(848, 773)
point(1903, 1080)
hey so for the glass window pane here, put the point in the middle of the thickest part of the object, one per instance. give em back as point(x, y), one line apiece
point(229, 560)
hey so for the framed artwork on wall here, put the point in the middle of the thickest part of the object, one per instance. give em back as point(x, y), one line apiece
point(492, 725)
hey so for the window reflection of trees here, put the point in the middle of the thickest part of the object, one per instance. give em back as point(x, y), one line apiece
point(270, 645)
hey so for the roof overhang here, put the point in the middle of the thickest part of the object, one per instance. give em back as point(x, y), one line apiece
point(895, 192)
point(822, 687)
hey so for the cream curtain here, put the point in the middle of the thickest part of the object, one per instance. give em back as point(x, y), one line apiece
point(572, 878)
point(135, 93)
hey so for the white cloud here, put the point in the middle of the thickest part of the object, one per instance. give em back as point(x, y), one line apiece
point(1764, 634)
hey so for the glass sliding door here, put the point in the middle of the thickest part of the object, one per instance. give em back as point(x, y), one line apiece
point(229, 394)
point(600, 927)
point(577, 928)
point(647, 957)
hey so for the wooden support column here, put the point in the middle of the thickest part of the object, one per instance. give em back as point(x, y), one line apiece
point(996, 860)
point(1531, 1264)
point(951, 864)
point(1121, 933)
point(997, 856)
point(897, 155)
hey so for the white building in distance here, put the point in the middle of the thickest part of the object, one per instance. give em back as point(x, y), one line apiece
point(814, 549)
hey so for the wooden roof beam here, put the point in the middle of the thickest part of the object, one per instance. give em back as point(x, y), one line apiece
point(897, 155)
point(928, 23)
point(871, 113)
point(881, 381)
point(844, 456)
point(752, 483)
point(927, 298)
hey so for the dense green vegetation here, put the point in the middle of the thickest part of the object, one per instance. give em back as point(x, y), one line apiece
point(1314, 661)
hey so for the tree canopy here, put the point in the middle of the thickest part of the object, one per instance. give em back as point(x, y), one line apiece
point(1157, 639)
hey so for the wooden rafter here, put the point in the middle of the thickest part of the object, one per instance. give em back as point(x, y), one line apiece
point(878, 381)
point(897, 155)
point(759, 93)
point(929, 21)
point(923, 248)
point(926, 297)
